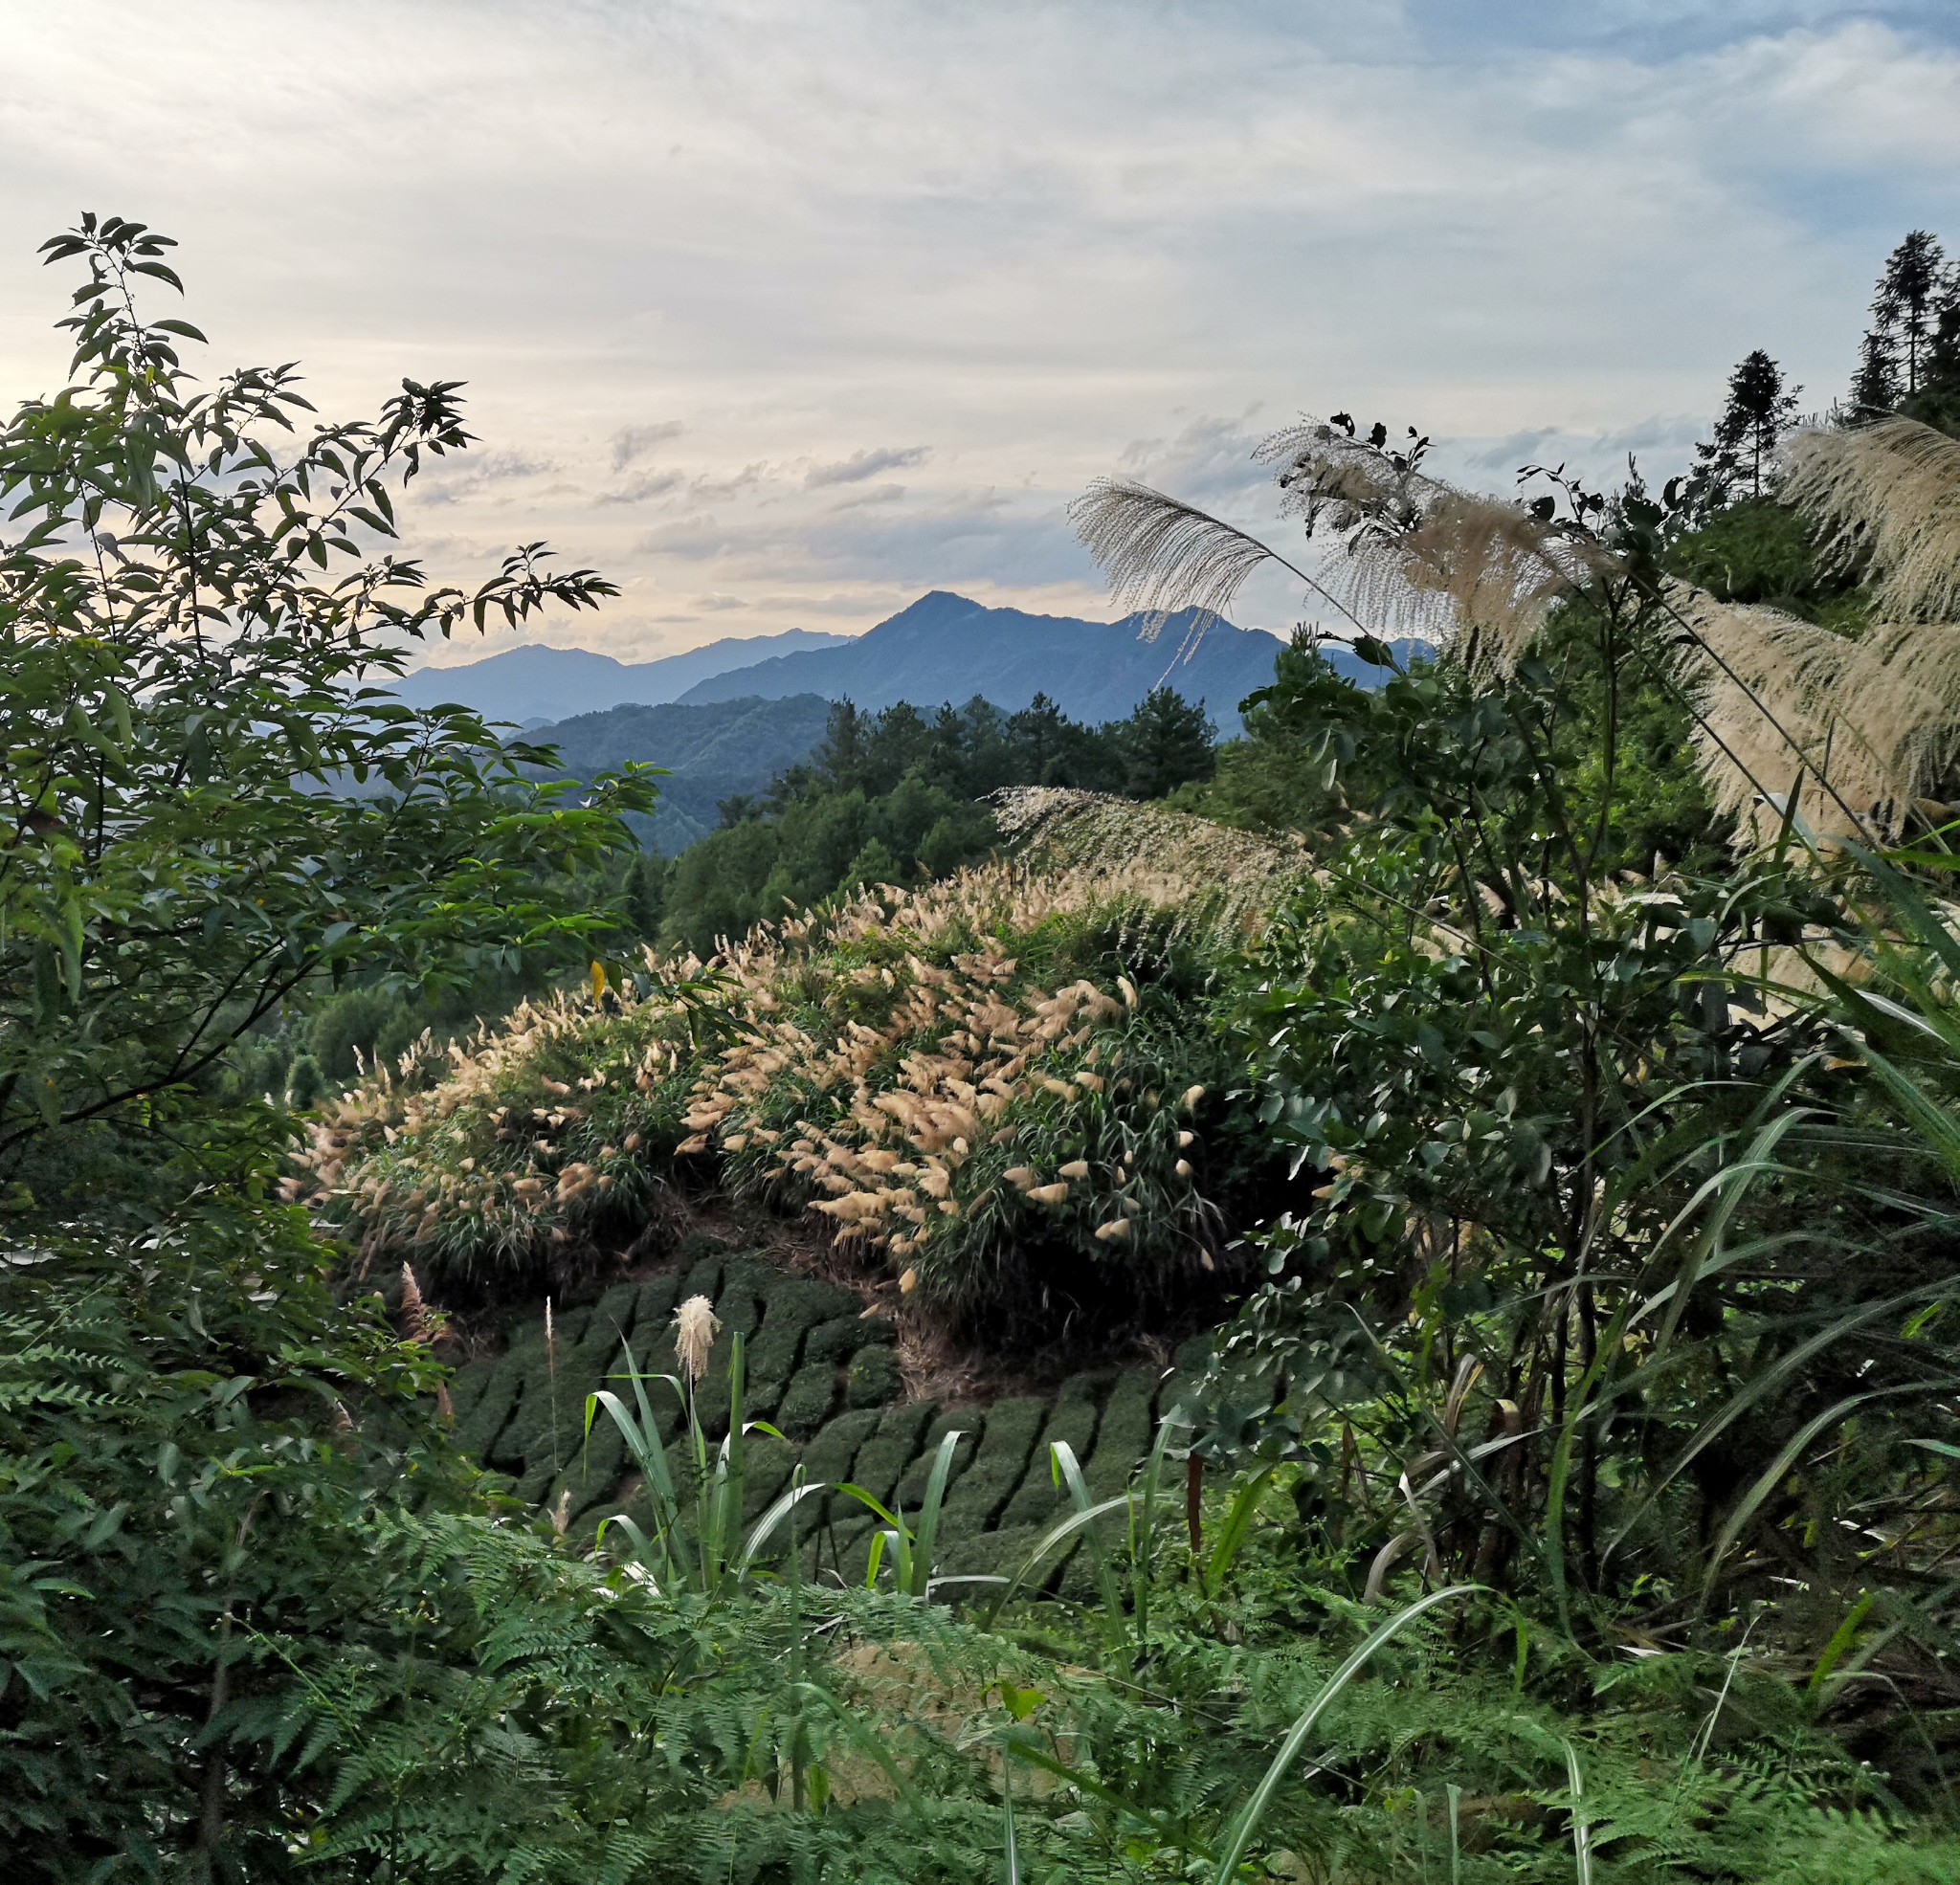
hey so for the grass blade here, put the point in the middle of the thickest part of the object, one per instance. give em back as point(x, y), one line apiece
point(1582, 1826)
point(1255, 1809)
point(1232, 1534)
point(1061, 1533)
point(919, 1569)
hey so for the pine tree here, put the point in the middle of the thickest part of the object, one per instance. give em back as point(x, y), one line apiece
point(1875, 386)
point(1937, 402)
point(1165, 742)
point(840, 758)
point(1758, 411)
point(1912, 288)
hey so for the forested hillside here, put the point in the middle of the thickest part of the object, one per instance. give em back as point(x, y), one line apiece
point(706, 754)
point(1380, 1307)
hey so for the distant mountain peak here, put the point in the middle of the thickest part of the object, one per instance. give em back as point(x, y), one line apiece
point(538, 682)
point(945, 647)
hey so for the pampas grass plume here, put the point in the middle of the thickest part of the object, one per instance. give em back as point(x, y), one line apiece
point(694, 1328)
point(420, 1325)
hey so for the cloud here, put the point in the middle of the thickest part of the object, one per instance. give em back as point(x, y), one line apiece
point(638, 489)
point(452, 480)
point(631, 442)
point(1535, 233)
point(957, 536)
point(861, 465)
point(713, 599)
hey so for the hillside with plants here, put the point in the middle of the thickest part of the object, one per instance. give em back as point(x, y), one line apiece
point(1378, 1309)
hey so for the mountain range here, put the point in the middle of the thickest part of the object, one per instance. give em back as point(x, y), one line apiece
point(533, 685)
point(941, 648)
point(946, 647)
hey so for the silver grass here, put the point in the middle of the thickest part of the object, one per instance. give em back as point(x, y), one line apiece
point(1421, 556)
point(1414, 555)
point(1230, 880)
point(694, 1328)
point(1861, 729)
point(1886, 496)
point(1160, 554)
point(1473, 572)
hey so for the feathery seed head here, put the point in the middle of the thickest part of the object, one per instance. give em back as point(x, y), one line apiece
point(694, 1328)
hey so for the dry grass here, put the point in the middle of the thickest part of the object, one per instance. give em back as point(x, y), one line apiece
point(1220, 881)
point(1421, 557)
point(910, 1068)
point(1408, 553)
point(1786, 705)
point(1886, 500)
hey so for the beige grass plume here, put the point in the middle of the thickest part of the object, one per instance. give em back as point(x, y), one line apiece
point(1419, 555)
point(694, 1328)
point(418, 1322)
point(1861, 728)
point(1160, 554)
point(1887, 497)
point(1412, 554)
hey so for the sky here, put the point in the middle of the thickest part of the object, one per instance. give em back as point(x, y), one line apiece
point(782, 312)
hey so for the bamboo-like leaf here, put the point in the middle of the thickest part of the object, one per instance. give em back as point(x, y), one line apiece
point(1069, 1469)
point(1773, 1476)
point(1766, 1382)
point(1255, 1809)
point(1060, 1535)
point(1582, 1830)
point(765, 1527)
point(1232, 1534)
point(919, 1569)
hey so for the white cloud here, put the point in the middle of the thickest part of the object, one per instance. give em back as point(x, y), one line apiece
point(1057, 241)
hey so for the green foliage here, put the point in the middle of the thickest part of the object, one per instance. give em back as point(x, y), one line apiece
point(186, 1500)
point(185, 667)
point(1596, 1423)
point(1759, 551)
point(890, 798)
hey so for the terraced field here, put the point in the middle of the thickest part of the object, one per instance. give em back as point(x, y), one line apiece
point(826, 1376)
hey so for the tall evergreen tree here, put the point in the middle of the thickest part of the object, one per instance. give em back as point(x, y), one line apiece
point(1165, 742)
point(1913, 287)
point(1756, 414)
point(1875, 386)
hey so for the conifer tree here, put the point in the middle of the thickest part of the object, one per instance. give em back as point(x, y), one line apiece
point(1914, 288)
point(1875, 386)
point(1758, 411)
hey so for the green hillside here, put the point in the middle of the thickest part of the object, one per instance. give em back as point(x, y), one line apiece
point(711, 753)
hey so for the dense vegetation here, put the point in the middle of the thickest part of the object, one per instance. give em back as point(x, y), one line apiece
point(1573, 1494)
point(892, 797)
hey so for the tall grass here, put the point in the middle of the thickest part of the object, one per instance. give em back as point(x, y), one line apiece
point(956, 1082)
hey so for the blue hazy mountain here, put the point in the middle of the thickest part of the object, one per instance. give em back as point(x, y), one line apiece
point(713, 752)
point(532, 684)
point(946, 648)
